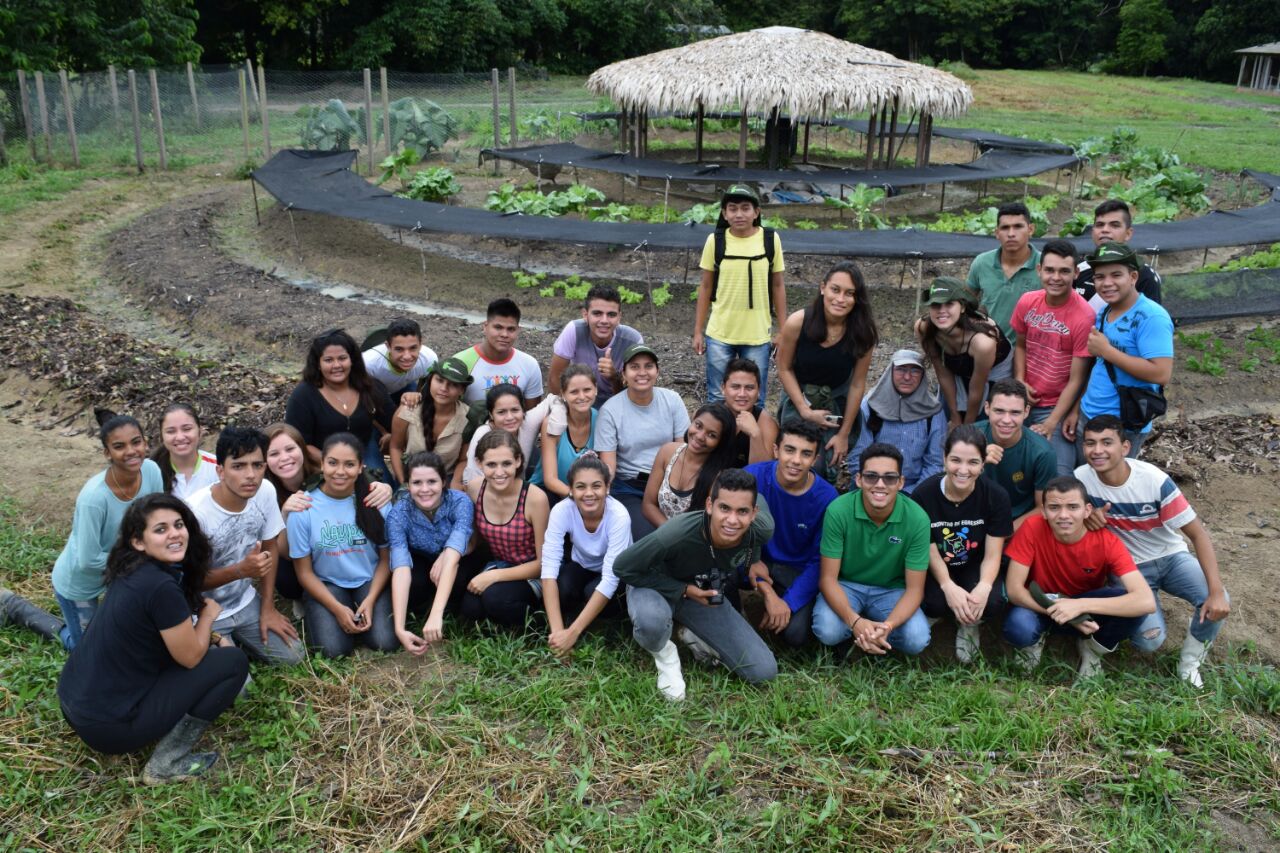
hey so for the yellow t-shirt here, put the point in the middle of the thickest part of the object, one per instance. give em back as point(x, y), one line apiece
point(732, 321)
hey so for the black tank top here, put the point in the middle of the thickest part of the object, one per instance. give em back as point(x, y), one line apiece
point(961, 364)
point(815, 364)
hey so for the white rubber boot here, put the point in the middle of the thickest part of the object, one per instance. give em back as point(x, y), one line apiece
point(1193, 654)
point(1028, 658)
point(1091, 654)
point(670, 679)
point(968, 644)
point(702, 652)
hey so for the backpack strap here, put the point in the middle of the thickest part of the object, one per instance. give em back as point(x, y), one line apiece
point(770, 243)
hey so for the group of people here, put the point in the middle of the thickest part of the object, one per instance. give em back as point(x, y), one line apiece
point(402, 488)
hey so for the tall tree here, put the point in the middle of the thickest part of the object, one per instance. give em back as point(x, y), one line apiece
point(1144, 29)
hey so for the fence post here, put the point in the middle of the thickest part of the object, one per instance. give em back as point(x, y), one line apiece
point(115, 97)
point(195, 102)
point(511, 84)
point(244, 112)
point(368, 115)
point(253, 86)
point(44, 117)
point(137, 120)
point(262, 111)
point(386, 109)
point(4, 152)
point(155, 109)
point(497, 118)
point(71, 118)
point(26, 114)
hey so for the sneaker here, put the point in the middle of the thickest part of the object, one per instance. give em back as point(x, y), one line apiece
point(670, 678)
point(968, 644)
point(1193, 654)
point(1028, 658)
point(1091, 653)
point(701, 652)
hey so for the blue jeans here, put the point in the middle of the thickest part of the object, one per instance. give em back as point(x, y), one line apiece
point(1024, 627)
point(719, 355)
point(77, 615)
point(376, 463)
point(1063, 450)
point(1179, 575)
point(326, 637)
point(245, 631)
point(874, 603)
point(720, 626)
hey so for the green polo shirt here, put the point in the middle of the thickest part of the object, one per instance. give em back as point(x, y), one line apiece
point(998, 294)
point(876, 555)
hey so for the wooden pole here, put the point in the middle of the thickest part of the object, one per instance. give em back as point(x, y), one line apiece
point(644, 137)
point(624, 132)
point(1240, 79)
point(71, 118)
point(511, 93)
point(884, 117)
point(368, 115)
point(386, 109)
point(26, 113)
point(262, 112)
point(893, 134)
point(697, 134)
point(871, 139)
point(253, 86)
point(244, 111)
point(742, 139)
point(804, 158)
point(115, 96)
point(155, 109)
point(497, 116)
point(43, 106)
point(137, 120)
point(195, 101)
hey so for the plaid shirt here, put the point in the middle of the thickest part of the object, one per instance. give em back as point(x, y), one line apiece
point(512, 541)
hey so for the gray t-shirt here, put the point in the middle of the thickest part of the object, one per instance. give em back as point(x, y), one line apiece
point(636, 432)
point(576, 345)
point(232, 535)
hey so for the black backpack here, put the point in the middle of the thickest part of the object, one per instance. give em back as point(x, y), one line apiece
point(770, 244)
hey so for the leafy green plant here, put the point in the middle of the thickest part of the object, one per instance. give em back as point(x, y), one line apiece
point(420, 123)
point(611, 212)
point(859, 203)
point(330, 128)
point(629, 296)
point(1206, 363)
point(805, 225)
point(397, 165)
point(1079, 223)
point(1263, 260)
point(701, 214)
point(662, 295)
point(775, 222)
point(1266, 341)
point(577, 197)
point(528, 279)
point(436, 183)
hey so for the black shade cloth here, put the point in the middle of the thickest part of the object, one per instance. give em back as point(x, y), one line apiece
point(1267, 179)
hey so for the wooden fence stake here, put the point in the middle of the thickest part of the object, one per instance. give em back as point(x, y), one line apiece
point(497, 117)
point(155, 109)
point(253, 86)
point(368, 115)
point(137, 120)
point(43, 105)
point(386, 110)
point(262, 110)
point(115, 96)
point(26, 114)
point(244, 112)
point(742, 139)
point(511, 86)
point(71, 118)
point(195, 102)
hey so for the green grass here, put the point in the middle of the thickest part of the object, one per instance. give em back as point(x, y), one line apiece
point(494, 745)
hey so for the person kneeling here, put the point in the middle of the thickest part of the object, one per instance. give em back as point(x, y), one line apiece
point(145, 669)
point(1057, 580)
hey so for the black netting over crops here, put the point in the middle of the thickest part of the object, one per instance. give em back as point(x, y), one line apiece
point(1207, 296)
point(1268, 180)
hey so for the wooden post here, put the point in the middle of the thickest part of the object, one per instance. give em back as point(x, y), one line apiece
point(624, 132)
point(1240, 79)
point(804, 158)
point(871, 138)
point(71, 118)
point(697, 131)
point(155, 109)
point(244, 111)
point(137, 120)
point(262, 112)
point(43, 106)
point(922, 135)
point(884, 117)
point(893, 134)
point(386, 109)
point(195, 102)
point(511, 93)
point(115, 96)
point(368, 115)
point(26, 113)
point(253, 86)
point(644, 137)
point(497, 116)
point(742, 139)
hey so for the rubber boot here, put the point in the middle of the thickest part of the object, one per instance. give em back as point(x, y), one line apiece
point(670, 679)
point(1091, 654)
point(19, 611)
point(1028, 658)
point(1193, 654)
point(173, 760)
point(702, 652)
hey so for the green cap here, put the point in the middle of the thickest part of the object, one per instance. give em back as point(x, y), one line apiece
point(743, 192)
point(638, 349)
point(1114, 253)
point(947, 289)
point(454, 370)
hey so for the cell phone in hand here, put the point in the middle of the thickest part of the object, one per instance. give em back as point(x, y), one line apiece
point(834, 420)
point(359, 618)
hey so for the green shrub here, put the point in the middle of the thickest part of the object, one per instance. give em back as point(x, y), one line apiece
point(434, 184)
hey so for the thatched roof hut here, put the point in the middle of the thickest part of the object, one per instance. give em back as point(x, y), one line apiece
point(783, 71)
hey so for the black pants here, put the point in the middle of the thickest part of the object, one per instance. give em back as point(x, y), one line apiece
point(800, 628)
point(935, 606)
point(575, 585)
point(287, 584)
point(204, 692)
point(506, 603)
point(422, 592)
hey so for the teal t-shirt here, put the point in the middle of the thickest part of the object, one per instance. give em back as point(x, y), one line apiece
point(1025, 468)
point(871, 554)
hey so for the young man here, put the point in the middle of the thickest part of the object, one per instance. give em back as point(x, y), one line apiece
point(1132, 342)
point(496, 361)
point(1051, 355)
point(598, 340)
point(1113, 223)
point(1021, 461)
point(903, 410)
point(741, 392)
point(797, 499)
point(241, 519)
point(402, 362)
point(685, 571)
point(1002, 275)
point(1147, 510)
point(875, 556)
point(1072, 565)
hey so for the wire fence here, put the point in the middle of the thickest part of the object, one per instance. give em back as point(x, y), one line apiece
point(170, 118)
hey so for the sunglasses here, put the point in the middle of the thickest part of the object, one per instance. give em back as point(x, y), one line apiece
point(871, 478)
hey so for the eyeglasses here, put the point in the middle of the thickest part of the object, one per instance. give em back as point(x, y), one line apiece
point(871, 478)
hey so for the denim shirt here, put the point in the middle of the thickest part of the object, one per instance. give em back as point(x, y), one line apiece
point(409, 529)
point(920, 442)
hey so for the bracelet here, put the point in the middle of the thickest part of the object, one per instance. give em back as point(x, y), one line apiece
point(856, 620)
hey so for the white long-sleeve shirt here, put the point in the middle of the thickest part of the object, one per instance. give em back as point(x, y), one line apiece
point(596, 551)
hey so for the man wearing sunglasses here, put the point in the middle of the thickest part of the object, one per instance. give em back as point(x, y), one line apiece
point(875, 557)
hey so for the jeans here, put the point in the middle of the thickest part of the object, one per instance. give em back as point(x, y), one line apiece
point(77, 615)
point(243, 627)
point(1063, 450)
point(1024, 627)
point(1179, 575)
point(325, 636)
point(204, 692)
point(721, 627)
point(376, 464)
point(1135, 439)
point(719, 355)
point(287, 585)
point(874, 603)
point(630, 493)
point(798, 630)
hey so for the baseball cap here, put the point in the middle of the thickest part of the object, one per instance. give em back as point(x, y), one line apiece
point(638, 349)
point(454, 370)
point(903, 357)
point(1114, 253)
point(742, 192)
point(947, 289)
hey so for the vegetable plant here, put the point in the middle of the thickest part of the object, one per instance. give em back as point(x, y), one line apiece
point(331, 128)
point(859, 203)
point(397, 166)
point(420, 123)
point(434, 184)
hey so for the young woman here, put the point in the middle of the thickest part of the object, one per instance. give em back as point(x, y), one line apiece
point(428, 533)
point(968, 350)
point(511, 521)
point(184, 467)
point(436, 423)
point(336, 395)
point(683, 471)
point(339, 551)
point(971, 519)
point(580, 586)
point(505, 404)
point(100, 506)
point(578, 381)
point(146, 670)
point(824, 351)
point(293, 473)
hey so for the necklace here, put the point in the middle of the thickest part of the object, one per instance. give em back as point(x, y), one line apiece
point(117, 489)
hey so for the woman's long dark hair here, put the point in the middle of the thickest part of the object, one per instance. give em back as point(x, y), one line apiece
point(972, 319)
point(161, 455)
point(368, 519)
point(124, 558)
point(358, 378)
point(718, 459)
point(427, 408)
point(860, 332)
point(426, 459)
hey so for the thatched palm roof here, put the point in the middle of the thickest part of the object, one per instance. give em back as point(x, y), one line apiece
point(802, 73)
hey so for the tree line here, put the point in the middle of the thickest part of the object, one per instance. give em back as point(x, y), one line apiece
point(1172, 37)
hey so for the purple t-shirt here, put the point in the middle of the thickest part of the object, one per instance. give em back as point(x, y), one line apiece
point(576, 345)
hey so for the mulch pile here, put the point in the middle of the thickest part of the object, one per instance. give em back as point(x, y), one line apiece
point(1248, 445)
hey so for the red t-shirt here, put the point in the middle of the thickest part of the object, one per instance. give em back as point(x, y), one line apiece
point(1054, 337)
point(1068, 569)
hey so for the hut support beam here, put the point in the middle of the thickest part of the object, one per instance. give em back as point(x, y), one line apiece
point(804, 158)
point(871, 139)
point(697, 143)
point(742, 140)
point(884, 117)
point(893, 133)
point(1240, 79)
